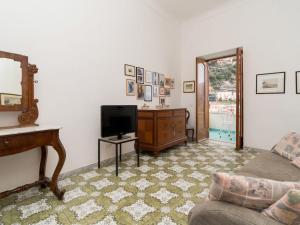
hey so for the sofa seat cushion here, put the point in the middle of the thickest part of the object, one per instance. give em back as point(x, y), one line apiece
point(249, 192)
point(222, 213)
point(271, 166)
point(287, 209)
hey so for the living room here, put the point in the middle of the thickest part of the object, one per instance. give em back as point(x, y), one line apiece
point(80, 49)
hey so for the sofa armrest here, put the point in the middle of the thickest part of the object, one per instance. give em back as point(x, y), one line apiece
point(217, 213)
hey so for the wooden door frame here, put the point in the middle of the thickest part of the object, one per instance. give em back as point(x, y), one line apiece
point(239, 96)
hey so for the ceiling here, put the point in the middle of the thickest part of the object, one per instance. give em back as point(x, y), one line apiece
point(185, 9)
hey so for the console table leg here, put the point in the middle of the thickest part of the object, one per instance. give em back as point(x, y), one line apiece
point(117, 160)
point(42, 177)
point(58, 146)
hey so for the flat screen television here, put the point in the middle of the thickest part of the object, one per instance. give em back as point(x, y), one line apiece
point(117, 120)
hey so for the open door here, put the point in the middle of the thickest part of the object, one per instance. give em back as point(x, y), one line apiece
point(202, 105)
point(239, 100)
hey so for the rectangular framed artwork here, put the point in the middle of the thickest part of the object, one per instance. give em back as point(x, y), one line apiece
point(298, 82)
point(162, 80)
point(270, 83)
point(155, 91)
point(155, 78)
point(188, 86)
point(129, 70)
point(139, 75)
point(130, 87)
point(140, 91)
point(147, 93)
point(148, 77)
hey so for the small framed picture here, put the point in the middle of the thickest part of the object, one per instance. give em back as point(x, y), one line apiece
point(188, 86)
point(129, 70)
point(162, 80)
point(149, 77)
point(139, 75)
point(130, 87)
point(298, 82)
point(147, 93)
point(140, 91)
point(172, 84)
point(270, 83)
point(155, 91)
point(155, 78)
point(162, 101)
point(167, 92)
point(161, 91)
point(168, 82)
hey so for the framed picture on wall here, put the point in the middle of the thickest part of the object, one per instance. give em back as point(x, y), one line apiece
point(162, 101)
point(270, 83)
point(161, 91)
point(167, 92)
point(130, 87)
point(172, 84)
point(162, 80)
point(188, 86)
point(155, 78)
point(155, 91)
point(298, 82)
point(129, 70)
point(139, 75)
point(168, 82)
point(140, 91)
point(147, 93)
point(148, 77)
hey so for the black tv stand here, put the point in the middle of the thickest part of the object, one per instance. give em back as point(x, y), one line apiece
point(119, 138)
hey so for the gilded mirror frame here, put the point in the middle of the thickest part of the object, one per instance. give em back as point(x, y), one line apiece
point(28, 106)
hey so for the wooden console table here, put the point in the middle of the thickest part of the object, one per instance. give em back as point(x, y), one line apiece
point(17, 140)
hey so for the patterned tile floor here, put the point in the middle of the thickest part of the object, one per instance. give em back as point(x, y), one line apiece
point(161, 191)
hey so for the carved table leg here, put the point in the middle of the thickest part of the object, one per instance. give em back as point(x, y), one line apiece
point(58, 146)
point(42, 177)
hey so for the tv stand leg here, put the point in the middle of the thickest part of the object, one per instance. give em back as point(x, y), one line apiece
point(120, 152)
point(117, 160)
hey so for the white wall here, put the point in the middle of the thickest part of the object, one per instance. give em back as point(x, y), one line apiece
point(268, 32)
point(80, 48)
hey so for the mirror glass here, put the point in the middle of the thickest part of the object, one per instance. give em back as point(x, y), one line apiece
point(10, 82)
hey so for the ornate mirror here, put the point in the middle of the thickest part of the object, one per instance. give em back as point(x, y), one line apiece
point(17, 87)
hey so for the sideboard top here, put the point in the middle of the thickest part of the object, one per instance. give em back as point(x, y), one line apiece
point(163, 109)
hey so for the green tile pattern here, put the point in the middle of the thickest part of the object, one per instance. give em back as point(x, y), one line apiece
point(162, 191)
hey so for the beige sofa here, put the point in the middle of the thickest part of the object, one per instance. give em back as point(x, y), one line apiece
point(266, 165)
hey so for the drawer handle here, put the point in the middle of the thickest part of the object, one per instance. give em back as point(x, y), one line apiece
point(6, 143)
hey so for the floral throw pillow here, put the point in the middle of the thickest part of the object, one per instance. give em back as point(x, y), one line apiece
point(289, 146)
point(249, 192)
point(287, 209)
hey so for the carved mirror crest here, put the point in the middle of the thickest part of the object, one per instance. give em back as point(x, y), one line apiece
point(17, 87)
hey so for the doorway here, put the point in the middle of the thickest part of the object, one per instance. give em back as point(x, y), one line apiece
point(219, 97)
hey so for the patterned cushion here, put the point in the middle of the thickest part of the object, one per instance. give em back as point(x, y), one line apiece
point(289, 146)
point(287, 209)
point(296, 162)
point(254, 193)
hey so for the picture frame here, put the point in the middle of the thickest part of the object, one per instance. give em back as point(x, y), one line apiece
point(129, 70)
point(10, 99)
point(162, 91)
point(155, 91)
point(139, 75)
point(297, 82)
point(155, 78)
point(140, 91)
point(149, 77)
point(130, 87)
point(167, 92)
point(270, 83)
point(188, 86)
point(172, 84)
point(147, 93)
point(162, 80)
point(168, 82)
point(162, 101)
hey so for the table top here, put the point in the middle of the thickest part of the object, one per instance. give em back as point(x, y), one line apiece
point(109, 140)
point(23, 130)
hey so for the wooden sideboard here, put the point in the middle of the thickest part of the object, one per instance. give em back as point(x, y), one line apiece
point(161, 129)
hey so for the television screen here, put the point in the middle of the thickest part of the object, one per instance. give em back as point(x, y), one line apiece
point(117, 120)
